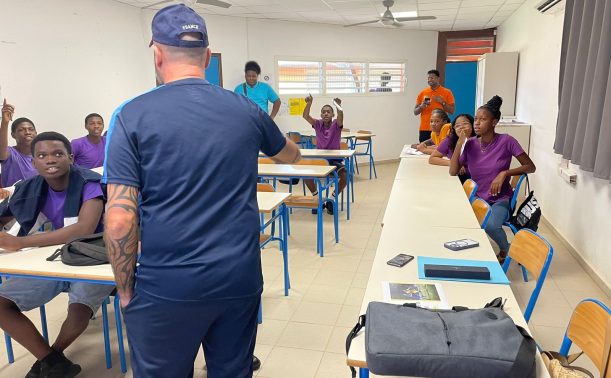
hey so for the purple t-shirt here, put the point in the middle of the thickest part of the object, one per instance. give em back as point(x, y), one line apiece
point(487, 162)
point(53, 208)
point(444, 148)
point(88, 155)
point(327, 138)
point(16, 167)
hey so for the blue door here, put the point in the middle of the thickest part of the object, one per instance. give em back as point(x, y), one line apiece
point(461, 79)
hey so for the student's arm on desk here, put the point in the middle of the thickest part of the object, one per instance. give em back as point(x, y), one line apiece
point(88, 219)
point(289, 154)
point(436, 158)
point(121, 237)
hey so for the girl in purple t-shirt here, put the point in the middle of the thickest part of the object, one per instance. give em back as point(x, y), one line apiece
point(17, 160)
point(446, 147)
point(489, 158)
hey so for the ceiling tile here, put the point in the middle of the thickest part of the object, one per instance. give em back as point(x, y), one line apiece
point(479, 3)
point(443, 5)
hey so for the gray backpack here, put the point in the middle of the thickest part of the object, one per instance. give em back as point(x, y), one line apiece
point(406, 340)
point(83, 251)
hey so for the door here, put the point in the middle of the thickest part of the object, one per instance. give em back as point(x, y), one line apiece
point(461, 79)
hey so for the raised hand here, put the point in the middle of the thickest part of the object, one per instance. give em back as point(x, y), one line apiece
point(309, 99)
point(7, 112)
point(337, 101)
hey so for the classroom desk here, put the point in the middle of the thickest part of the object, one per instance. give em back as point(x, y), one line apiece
point(429, 203)
point(419, 167)
point(346, 155)
point(273, 203)
point(317, 172)
point(426, 208)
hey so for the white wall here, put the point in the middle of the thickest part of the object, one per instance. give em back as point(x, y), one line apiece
point(579, 213)
point(60, 60)
point(74, 57)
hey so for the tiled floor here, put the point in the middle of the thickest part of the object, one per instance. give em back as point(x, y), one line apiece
point(303, 335)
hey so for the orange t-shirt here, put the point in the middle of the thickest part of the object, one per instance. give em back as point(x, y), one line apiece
point(443, 133)
point(425, 116)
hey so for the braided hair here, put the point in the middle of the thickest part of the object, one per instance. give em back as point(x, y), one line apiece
point(494, 107)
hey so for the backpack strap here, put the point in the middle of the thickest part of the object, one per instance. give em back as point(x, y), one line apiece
point(244, 89)
point(55, 254)
point(351, 335)
point(525, 359)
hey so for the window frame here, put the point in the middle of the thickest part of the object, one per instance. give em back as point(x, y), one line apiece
point(323, 82)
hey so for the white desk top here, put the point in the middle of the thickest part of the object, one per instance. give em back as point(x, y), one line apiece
point(33, 262)
point(429, 203)
point(295, 170)
point(316, 153)
point(269, 201)
point(345, 134)
point(99, 170)
point(419, 169)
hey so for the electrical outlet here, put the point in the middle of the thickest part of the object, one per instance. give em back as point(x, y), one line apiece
point(568, 175)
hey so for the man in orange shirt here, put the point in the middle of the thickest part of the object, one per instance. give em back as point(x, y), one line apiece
point(433, 97)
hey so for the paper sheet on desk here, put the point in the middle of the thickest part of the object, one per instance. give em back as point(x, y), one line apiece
point(497, 276)
point(409, 151)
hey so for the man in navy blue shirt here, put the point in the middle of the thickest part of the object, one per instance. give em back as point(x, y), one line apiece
point(181, 169)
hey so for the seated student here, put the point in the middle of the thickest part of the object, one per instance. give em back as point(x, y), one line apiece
point(440, 128)
point(16, 161)
point(489, 158)
point(328, 135)
point(446, 147)
point(71, 199)
point(88, 151)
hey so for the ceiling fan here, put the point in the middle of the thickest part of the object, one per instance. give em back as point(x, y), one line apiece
point(389, 20)
point(216, 3)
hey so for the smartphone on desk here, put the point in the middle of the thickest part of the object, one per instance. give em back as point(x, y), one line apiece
point(400, 260)
point(457, 245)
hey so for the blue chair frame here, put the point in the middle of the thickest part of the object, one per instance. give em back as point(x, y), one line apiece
point(367, 152)
point(548, 259)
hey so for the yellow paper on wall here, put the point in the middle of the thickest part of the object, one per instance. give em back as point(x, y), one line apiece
point(296, 106)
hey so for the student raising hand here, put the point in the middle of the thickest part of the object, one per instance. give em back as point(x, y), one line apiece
point(309, 99)
point(7, 112)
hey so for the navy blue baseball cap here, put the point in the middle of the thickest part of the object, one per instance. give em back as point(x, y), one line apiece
point(170, 23)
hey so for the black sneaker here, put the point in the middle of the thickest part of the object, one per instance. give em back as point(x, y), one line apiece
point(256, 363)
point(34, 371)
point(56, 365)
point(329, 207)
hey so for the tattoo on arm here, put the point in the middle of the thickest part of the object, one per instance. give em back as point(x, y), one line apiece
point(122, 234)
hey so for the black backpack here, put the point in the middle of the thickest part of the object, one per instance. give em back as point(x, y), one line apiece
point(528, 213)
point(83, 251)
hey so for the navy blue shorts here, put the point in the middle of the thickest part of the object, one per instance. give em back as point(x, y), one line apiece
point(164, 337)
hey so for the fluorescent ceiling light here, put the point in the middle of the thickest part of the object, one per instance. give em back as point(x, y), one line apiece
point(403, 14)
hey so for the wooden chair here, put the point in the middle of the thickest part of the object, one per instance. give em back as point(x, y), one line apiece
point(297, 138)
point(534, 253)
point(367, 152)
point(266, 161)
point(315, 202)
point(482, 211)
point(590, 329)
point(470, 188)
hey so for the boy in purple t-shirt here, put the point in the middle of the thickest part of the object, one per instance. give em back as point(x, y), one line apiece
point(89, 150)
point(489, 158)
point(71, 199)
point(328, 135)
point(17, 160)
